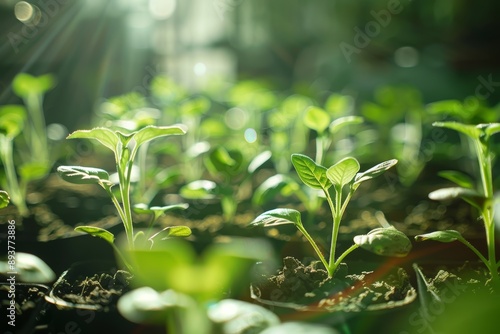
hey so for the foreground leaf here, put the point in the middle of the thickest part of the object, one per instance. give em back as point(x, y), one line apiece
point(312, 174)
point(375, 171)
point(151, 132)
point(469, 130)
point(441, 236)
point(171, 232)
point(97, 232)
point(385, 241)
point(104, 136)
point(4, 199)
point(278, 217)
point(83, 175)
point(343, 171)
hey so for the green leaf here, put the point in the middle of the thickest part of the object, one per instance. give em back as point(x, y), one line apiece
point(270, 188)
point(83, 175)
point(469, 130)
point(343, 171)
point(299, 327)
point(33, 171)
point(449, 107)
point(104, 136)
point(342, 122)
point(375, 171)
point(317, 119)
point(4, 199)
point(200, 189)
point(461, 179)
point(97, 232)
point(143, 208)
point(469, 195)
point(12, 118)
point(196, 106)
point(441, 236)
point(491, 129)
point(25, 84)
point(338, 105)
point(312, 174)
point(258, 161)
point(278, 217)
point(385, 241)
point(171, 232)
point(151, 132)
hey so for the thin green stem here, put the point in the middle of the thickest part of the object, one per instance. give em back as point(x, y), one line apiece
point(477, 252)
point(319, 150)
point(14, 190)
point(314, 245)
point(343, 255)
point(337, 216)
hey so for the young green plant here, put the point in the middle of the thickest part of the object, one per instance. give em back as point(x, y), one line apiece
point(479, 194)
point(125, 148)
point(344, 178)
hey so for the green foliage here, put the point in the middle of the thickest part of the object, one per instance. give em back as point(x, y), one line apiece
point(385, 241)
point(4, 199)
point(478, 193)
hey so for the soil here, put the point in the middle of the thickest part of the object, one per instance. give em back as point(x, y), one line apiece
point(310, 286)
point(100, 290)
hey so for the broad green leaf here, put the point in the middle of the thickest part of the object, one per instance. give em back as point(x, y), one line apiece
point(385, 241)
point(441, 236)
point(4, 199)
point(341, 122)
point(151, 132)
point(171, 232)
point(25, 84)
point(278, 217)
point(469, 195)
point(196, 106)
point(461, 179)
point(12, 118)
point(375, 171)
point(317, 119)
point(449, 107)
point(343, 171)
point(312, 174)
point(259, 160)
point(469, 130)
point(104, 136)
point(201, 189)
point(97, 232)
point(83, 175)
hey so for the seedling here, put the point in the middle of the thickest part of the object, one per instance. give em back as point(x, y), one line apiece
point(125, 148)
point(344, 175)
point(479, 194)
point(4, 199)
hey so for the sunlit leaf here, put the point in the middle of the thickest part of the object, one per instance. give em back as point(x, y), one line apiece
point(469, 130)
point(385, 241)
point(441, 236)
point(33, 170)
point(312, 174)
point(104, 136)
point(492, 128)
point(342, 122)
point(97, 232)
point(195, 106)
point(270, 188)
point(277, 217)
point(200, 189)
point(25, 84)
point(259, 160)
point(469, 195)
point(317, 119)
point(299, 327)
point(12, 118)
point(83, 175)
point(171, 232)
point(461, 179)
point(375, 171)
point(151, 132)
point(339, 105)
point(343, 171)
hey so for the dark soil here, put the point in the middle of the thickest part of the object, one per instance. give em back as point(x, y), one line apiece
point(310, 287)
point(102, 290)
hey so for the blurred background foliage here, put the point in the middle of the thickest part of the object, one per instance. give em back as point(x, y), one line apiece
point(100, 49)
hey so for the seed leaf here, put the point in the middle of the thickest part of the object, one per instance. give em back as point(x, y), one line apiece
point(278, 217)
point(469, 130)
point(375, 171)
point(312, 174)
point(25, 84)
point(12, 119)
point(343, 171)
point(317, 119)
point(469, 195)
point(461, 179)
point(104, 136)
point(97, 232)
point(4, 199)
point(83, 175)
point(151, 132)
point(171, 232)
point(385, 241)
point(342, 122)
point(441, 236)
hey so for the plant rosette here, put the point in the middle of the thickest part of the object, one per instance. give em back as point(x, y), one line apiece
point(84, 297)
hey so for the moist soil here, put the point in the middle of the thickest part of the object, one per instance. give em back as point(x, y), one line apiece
point(310, 287)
